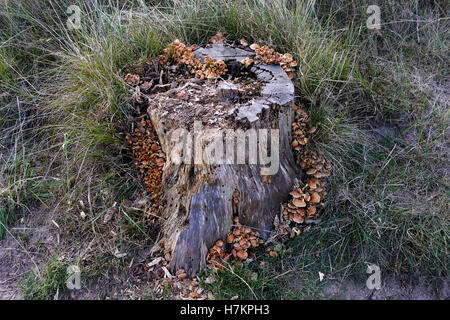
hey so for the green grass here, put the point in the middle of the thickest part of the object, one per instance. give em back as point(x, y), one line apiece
point(63, 118)
point(47, 284)
point(7, 216)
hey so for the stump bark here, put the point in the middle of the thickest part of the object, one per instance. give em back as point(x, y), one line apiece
point(198, 197)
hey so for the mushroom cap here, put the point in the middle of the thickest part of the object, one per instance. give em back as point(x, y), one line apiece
point(297, 231)
point(299, 203)
point(312, 129)
point(295, 193)
point(179, 271)
point(311, 210)
point(312, 183)
point(298, 218)
point(303, 140)
point(311, 171)
point(219, 243)
point(242, 254)
point(246, 245)
point(291, 206)
point(320, 174)
point(273, 253)
point(315, 197)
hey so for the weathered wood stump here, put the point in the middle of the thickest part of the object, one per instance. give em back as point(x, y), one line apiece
point(193, 120)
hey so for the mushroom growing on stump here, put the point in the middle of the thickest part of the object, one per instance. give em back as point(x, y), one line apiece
point(228, 147)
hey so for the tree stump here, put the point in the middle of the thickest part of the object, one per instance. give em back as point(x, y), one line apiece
point(203, 195)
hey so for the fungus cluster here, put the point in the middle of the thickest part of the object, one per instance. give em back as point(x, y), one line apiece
point(179, 54)
point(149, 159)
point(218, 38)
point(238, 242)
point(247, 62)
point(307, 196)
point(270, 56)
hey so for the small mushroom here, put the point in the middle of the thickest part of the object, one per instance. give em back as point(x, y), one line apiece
point(315, 198)
point(219, 243)
point(303, 141)
point(307, 197)
point(298, 218)
point(312, 183)
point(244, 42)
point(296, 193)
point(291, 206)
point(242, 254)
point(311, 210)
point(299, 203)
point(312, 129)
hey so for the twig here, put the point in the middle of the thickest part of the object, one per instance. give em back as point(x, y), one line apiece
point(231, 270)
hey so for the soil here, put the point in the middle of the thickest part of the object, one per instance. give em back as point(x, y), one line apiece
point(399, 288)
point(27, 244)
